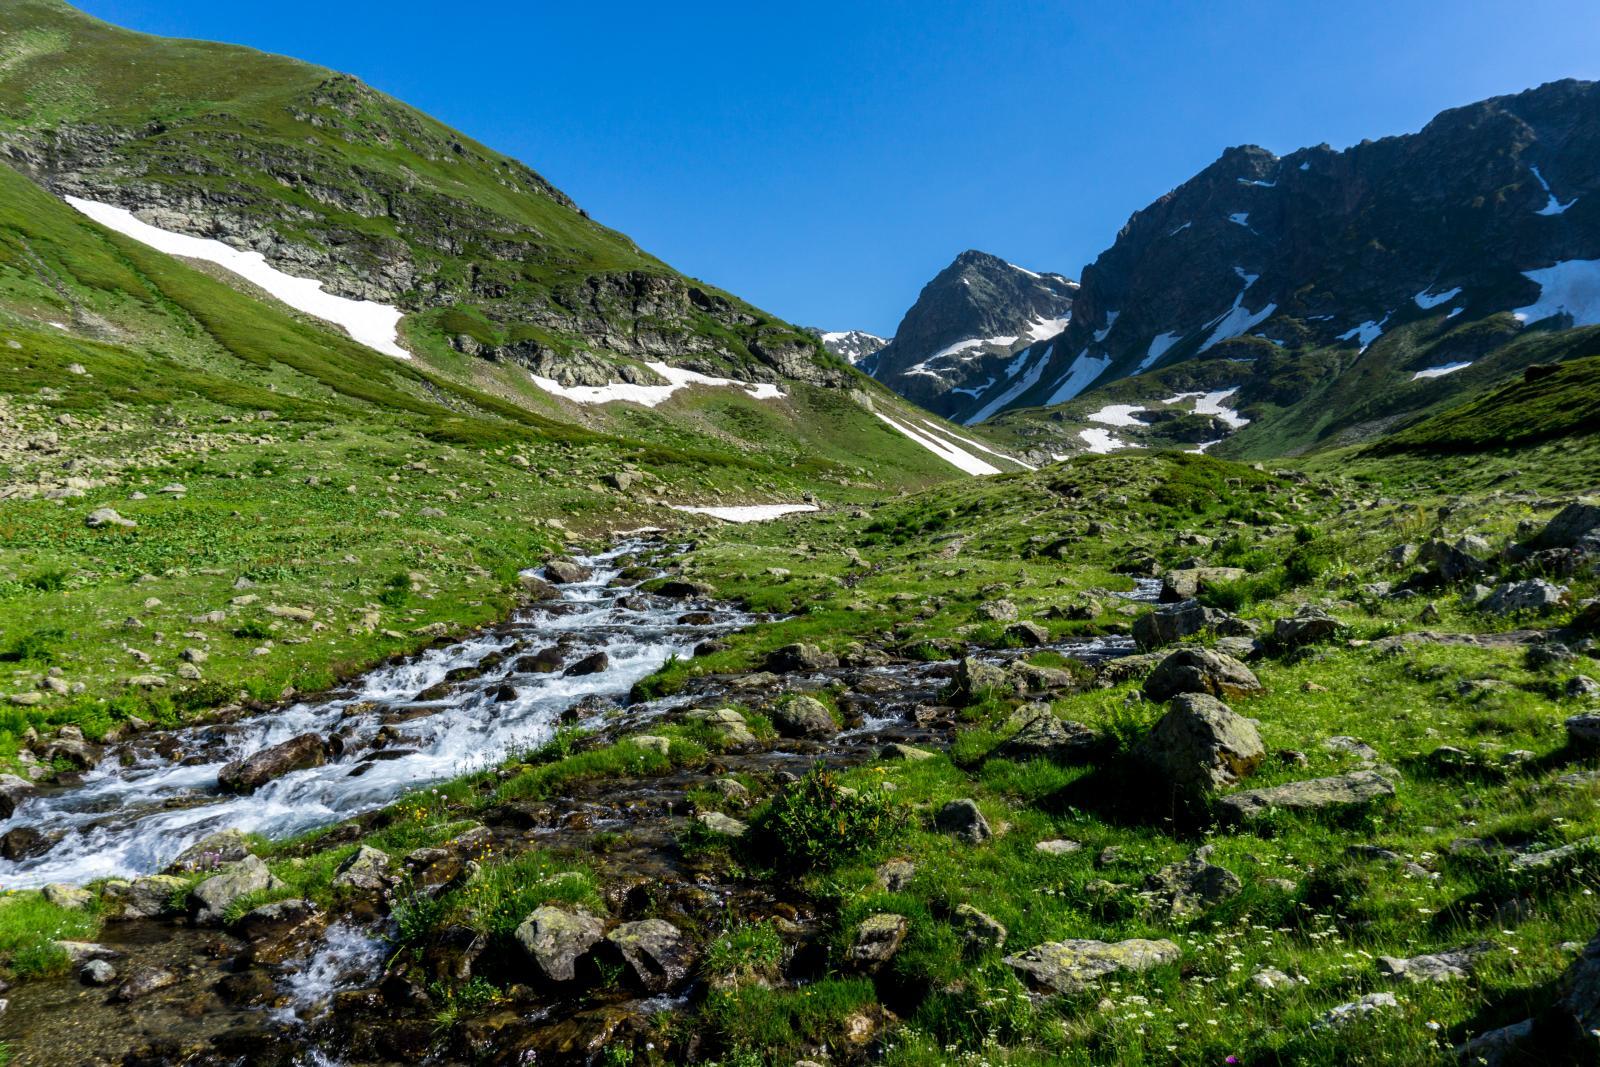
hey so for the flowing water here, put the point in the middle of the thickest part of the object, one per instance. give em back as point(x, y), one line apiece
point(150, 799)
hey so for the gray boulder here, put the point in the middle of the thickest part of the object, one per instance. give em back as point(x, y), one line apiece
point(13, 791)
point(1534, 595)
point(1184, 583)
point(655, 954)
point(145, 898)
point(107, 517)
point(1046, 736)
point(1444, 966)
point(366, 870)
point(876, 940)
point(976, 681)
point(249, 774)
point(1198, 670)
point(963, 819)
point(800, 657)
point(1201, 744)
point(1027, 633)
point(556, 938)
point(1172, 623)
point(1187, 888)
point(1071, 966)
point(803, 716)
point(1304, 627)
point(978, 931)
point(210, 899)
point(1355, 789)
point(211, 852)
point(566, 572)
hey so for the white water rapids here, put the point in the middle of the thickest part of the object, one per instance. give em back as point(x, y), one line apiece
point(137, 810)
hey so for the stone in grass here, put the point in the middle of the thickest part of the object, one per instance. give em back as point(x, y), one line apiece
point(800, 657)
point(1201, 744)
point(107, 517)
point(656, 956)
point(1444, 966)
point(1533, 595)
point(211, 898)
point(719, 823)
point(803, 716)
point(1197, 670)
point(652, 743)
point(1071, 966)
point(1304, 627)
point(365, 871)
point(1027, 633)
point(729, 725)
point(963, 819)
point(554, 939)
point(898, 751)
point(145, 898)
point(1058, 847)
point(1345, 1014)
point(976, 681)
point(978, 930)
point(896, 874)
point(877, 938)
point(1045, 736)
point(70, 897)
point(1172, 623)
point(1317, 794)
point(1583, 731)
point(1193, 885)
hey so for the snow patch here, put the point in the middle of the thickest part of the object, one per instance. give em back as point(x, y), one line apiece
point(746, 512)
point(1426, 300)
point(1258, 182)
point(1238, 319)
point(1212, 404)
point(372, 324)
point(956, 457)
point(1440, 372)
point(1571, 287)
point(1554, 206)
point(1084, 370)
point(1100, 441)
point(1158, 348)
point(1043, 329)
point(1111, 320)
point(1017, 388)
point(1117, 415)
point(651, 395)
point(1180, 229)
point(979, 445)
point(1240, 218)
point(1366, 333)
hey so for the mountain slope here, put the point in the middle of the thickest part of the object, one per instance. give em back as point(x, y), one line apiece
point(500, 282)
point(1290, 278)
point(956, 342)
point(852, 346)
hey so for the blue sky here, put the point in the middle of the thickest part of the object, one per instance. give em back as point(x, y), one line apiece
point(825, 160)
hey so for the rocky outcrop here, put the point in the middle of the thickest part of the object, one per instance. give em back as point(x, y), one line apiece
point(554, 939)
point(1355, 789)
point(1201, 744)
point(1072, 966)
point(1197, 670)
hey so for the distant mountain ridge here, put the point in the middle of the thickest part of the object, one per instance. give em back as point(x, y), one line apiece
point(958, 339)
point(852, 346)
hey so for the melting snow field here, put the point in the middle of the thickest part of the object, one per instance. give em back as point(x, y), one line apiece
point(1553, 206)
point(372, 324)
point(1570, 287)
point(746, 512)
point(1440, 372)
point(1117, 415)
point(979, 445)
point(1211, 404)
point(1426, 300)
point(1084, 370)
point(651, 395)
point(1366, 333)
point(950, 453)
point(1236, 320)
point(1100, 441)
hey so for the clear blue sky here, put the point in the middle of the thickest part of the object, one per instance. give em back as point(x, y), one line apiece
point(824, 160)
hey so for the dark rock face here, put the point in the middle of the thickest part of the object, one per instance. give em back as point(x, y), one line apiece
point(963, 329)
point(1308, 248)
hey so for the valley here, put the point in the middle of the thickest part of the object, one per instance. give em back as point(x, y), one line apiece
point(435, 630)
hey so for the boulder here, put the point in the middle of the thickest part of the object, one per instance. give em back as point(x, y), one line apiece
point(536, 588)
point(1027, 633)
point(978, 931)
point(800, 657)
point(876, 940)
point(1583, 731)
point(1308, 625)
point(1045, 736)
point(1533, 595)
point(729, 725)
point(20, 842)
point(210, 852)
point(1317, 794)
point(656, 955)
point(97, 973)
point(554, 939)
point(1059, 846)
point(210, 899)
point(1444, 966)
point(66, 896)
point(1187, 888)
point(1201, 744)
point(1565, 1031)
point(1071, 966)
point(1198, 670)
point(276, 920)
point(976, 681)
point(147, 897)
point(13, 791)
point(566, 572)
point(1356, 1009)
point(895, 875)
point(143, 982)
point(107, 517)
point(803, 716)
point(997, 610)
point(963, 819)
point(1185, 583)
point(1575, 526)
point(365, 871)
point(249, 774)
point(594, 663)
point(1172, 623)
point(719, 823)
point(1451, 563)
point(680, 589)
point(544, 661)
